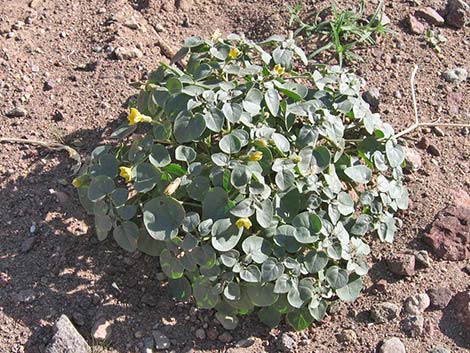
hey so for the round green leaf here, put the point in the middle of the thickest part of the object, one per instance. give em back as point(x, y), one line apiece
point(180, 288)
point(315, 261)
point(199, 188)
point(225, 235)
point(162, 217)
point(215, 204)
point(299, 319)
point(269, 316)
point(351, 291)
point(187, 129)
point(170, 265)
point(100, 186)
point(272, 100)
point(159, 156)
point(185, 154)
point(359, 173)
point(258, 248)
point(230, 144)
point(126, 235)
point(336, 277)
point(262, 294)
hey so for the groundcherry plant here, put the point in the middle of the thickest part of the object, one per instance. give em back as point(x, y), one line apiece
point(258, 187)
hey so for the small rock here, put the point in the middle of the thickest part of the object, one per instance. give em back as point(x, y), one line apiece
point(149, 299)
point(66, 339)
point(430, 15)
point(48, 85)
point(417, 304)
point(413, 325)
point(438, 131)
point(26, 296)
point(200, 334)
point(397, 94)
point(212, 333)
point(184, 5)
point(245, 343)
point(432, 149)
point(416, 27)
point(147, 345)
point(379, 287)
point(462, 308)
point(18, 25)
point(347, 335)
point(161, 341)
point(392, 345)
point(413, 159)
point(458, 13)
point(287, 343)
point(457, 75)
point(422, 258)
point(77, 318)
point(28, 244)
point(128, 53)
point(138, 334)
point(101, 329)
point(4, 279)
point(439, 297)
point(454, 101)
point(372, 96)
point(466, 269)
point(17, 112)
point(423, 143)
point(225, 337)
point(132, 23)
point(439, 350)
point(159, 27)
point(384, 312)
point(402, 264)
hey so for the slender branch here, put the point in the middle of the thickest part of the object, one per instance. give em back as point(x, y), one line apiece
point(51, 145)
point(417, 123)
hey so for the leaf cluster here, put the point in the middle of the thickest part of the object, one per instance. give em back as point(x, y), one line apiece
point(255, 185)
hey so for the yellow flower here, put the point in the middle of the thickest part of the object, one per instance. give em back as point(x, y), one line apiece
point(233, 53)
point(255, 156)
point(279, 69)
point(296, 158)
point(77, 182)
point(261, 143)
point(243, 223)
point(126, 173)
point(172, 187)
point(135, 117)
point(216, 35)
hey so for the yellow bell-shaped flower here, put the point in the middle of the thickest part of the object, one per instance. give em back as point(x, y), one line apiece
point(243, 223)
point(135, 117)
point(255, 156)
point(126, 173)
point(279, 69)
point(233, 53)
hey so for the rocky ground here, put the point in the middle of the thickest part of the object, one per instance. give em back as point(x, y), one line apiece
point(65, 74)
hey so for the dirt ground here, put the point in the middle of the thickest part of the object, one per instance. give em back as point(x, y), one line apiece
point(56, 62)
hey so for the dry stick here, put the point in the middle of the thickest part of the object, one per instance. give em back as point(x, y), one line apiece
point(415, 108)
point(51, 145)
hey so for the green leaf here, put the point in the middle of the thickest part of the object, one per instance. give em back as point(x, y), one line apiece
point(162, 217)
point(336, 277)
point(232, 111)
point(193, 42)
point(272, 101)
point(271, 270)
point(258, 248)
point(159, 156)
point(315, 261)
point(187, 129)
point(170, 265)
point(174, 85)
point(215, 204)
point(179, 289)
point(205, 295)
point(229, 322)
point(251, 274)
point(232, 291)
point(345, 204)
point(395, 154)
point(185, 154)
point(252, 101)
point(283, 57)
point(148, 245)
point(230, 144)
point(119, 196)
point(214, 119)
point(225, 235)
point(127, 235)
point(285, 179)
point(146, 177)
point(318, 309)
point(351, 291)
point(269, 316)
point(264, 214)
point(299, 319)
point(359, 173)
point(199, 188)
point(262, 294)
point(100, 186)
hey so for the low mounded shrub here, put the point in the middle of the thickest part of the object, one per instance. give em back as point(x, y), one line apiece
point(258, 187)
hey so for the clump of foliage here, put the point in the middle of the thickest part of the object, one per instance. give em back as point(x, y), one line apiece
point(343, 30)
point(256, 186)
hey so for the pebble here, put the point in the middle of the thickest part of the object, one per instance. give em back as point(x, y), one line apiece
point(423, 143)
point(433, 150)
point(458, 13)
point(430, 15)
point(417, 304)
point(17, 112)
point(439, 350)
point(347, 335)
point(128, 53)
point(402, 264)
point(149, 299)
point(392, 345)
point(422, 258)
point(200, 334)
point(159, 27)
point(416, 27)
point(147, 345)
point(225, 337)
point(456, 75)
point(26, 296)
point(27, 244)
point(413, 325)
point(161, 340)
point(413, 159)
point(372, 96)
point(48, 85)
point(245, 343)
point(101, 330)
point(438, 131)
point(4, 279)
point(138, 334)
point(184, 5)
point(439, 297)
point(66, 338)
point(77, 319)
point(212, 333)
point(287, 343)
point(384, 312)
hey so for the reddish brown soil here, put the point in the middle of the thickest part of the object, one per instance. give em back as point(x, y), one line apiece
point(66, 270)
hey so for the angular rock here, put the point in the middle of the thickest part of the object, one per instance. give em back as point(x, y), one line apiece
point(4, 279)
point(372, 96)
point(422, 258)
point(462, 308)
point(128, 53)
point(449, 237)
point(402, 264)
point(413, 325)
point(392, 345)
point(458, 13)
point(101, 329)
point(161, 340)
point(347, 335)
point(245, 343)
point(456, 75)
point(225, 337)
point(439, 297)
point(212, 333)
point(384, 312)
point(27, 244)
point(184, 5)
point(417, 304)
point(423, 143)
point(433, 150)
point(413, 159)
point(439, 350)
point(147, 345)
point(430, 15)
point(66, 339)
point(17, 112)
point(287, 343)
point(415, 26)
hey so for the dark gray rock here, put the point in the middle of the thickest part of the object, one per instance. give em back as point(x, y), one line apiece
point(372, 96)
point(17, 112)
point(66, 338)
point(458, 13)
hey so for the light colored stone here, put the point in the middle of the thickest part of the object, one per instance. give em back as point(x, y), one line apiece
point(430, 15)
point(392, 345)
point(413, 159)
point(384, 312)
point(415, 26)
point(416, 304)
point(66, 338)
point(457, 75)
point(128, 53)
point(101, 330)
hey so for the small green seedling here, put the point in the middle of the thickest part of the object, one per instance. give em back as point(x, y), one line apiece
point(434, 40)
